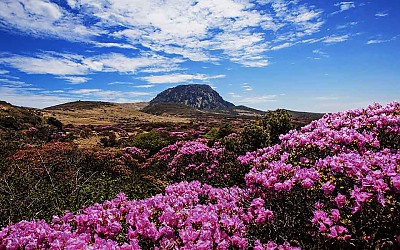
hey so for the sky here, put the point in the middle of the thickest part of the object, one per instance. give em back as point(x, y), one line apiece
point(318, 56)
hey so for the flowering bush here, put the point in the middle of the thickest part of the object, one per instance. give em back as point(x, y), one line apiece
point(335, 179)
point(195, 160)
point(187, 216)
point(334, 184)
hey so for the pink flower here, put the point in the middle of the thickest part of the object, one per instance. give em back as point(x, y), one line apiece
point(307, 183)
point(328, 188)
point(340, 200)
point(318, 205)
point(396, 182)
point(335, 215)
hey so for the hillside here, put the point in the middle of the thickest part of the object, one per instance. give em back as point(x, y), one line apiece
point(81, 105)
point(102, 113)
point(16, 118)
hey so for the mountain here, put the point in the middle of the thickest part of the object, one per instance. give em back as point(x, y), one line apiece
point(178, 104)
point(199, 96)
point(79, 105)
point(202, 102)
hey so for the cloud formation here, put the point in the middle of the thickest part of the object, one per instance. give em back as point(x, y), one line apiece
point(345, 6)
point(178, 78)
point(75, 79)
point(380, 40)
point(381, 14)
point(205, 30)
point(335, 39)
point(73, 65)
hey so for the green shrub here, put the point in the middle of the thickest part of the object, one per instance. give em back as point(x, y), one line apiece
point(279, 123)
point(152, 141)
point(263, 132)
point(253, 137)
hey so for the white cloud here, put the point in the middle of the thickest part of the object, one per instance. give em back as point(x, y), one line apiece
point(178, 78)
point(34, 97)
point(120, 63)
point(45, 64)
point(75, 79)
point(335, 39)
point(24, 97)
point(306, 16)
point(116, 45)
point(72, 3)
point(108, 95)
point(281, 46)
point(3, 72)
point(146, 86)
point(345, 5)
point(205, 30)
point(84, 91)
point(381, 14)
point(328, 98)
point(377, 41)
point(253, 63)
point(162, 68)
point(120, 83)
point(320, 53)
point(234, 95)
point(13, 83)
point(132, 84)
point(44, 18)
point(254, 100)
point(347, 25)
point(53, 91)
point(69, 64)
point(246, 87)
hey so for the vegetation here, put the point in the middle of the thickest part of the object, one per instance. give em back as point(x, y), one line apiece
point(333, 184)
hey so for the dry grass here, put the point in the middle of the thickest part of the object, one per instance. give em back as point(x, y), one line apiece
point(115, 114)
point(88, 143)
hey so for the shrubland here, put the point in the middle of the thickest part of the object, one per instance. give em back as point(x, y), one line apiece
point(332, 184)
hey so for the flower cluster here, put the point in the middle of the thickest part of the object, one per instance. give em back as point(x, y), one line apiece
point(351, 130)
point(187, 216)
point(341, 162)
point(192, 160)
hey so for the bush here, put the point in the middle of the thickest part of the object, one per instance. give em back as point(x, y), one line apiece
point(195, 160)
point(54, 122)
point(218, 133)
point(279, 123)
point(252, 137)
point(152, 141)
point(109, 139)
point(41, 181)
point(264, 132)
point(333, 184)
point(187, 216)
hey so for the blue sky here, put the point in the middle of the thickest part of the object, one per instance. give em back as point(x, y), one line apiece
point(321, 56)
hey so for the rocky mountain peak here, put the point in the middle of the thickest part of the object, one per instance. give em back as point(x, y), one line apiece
point(199, 96)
